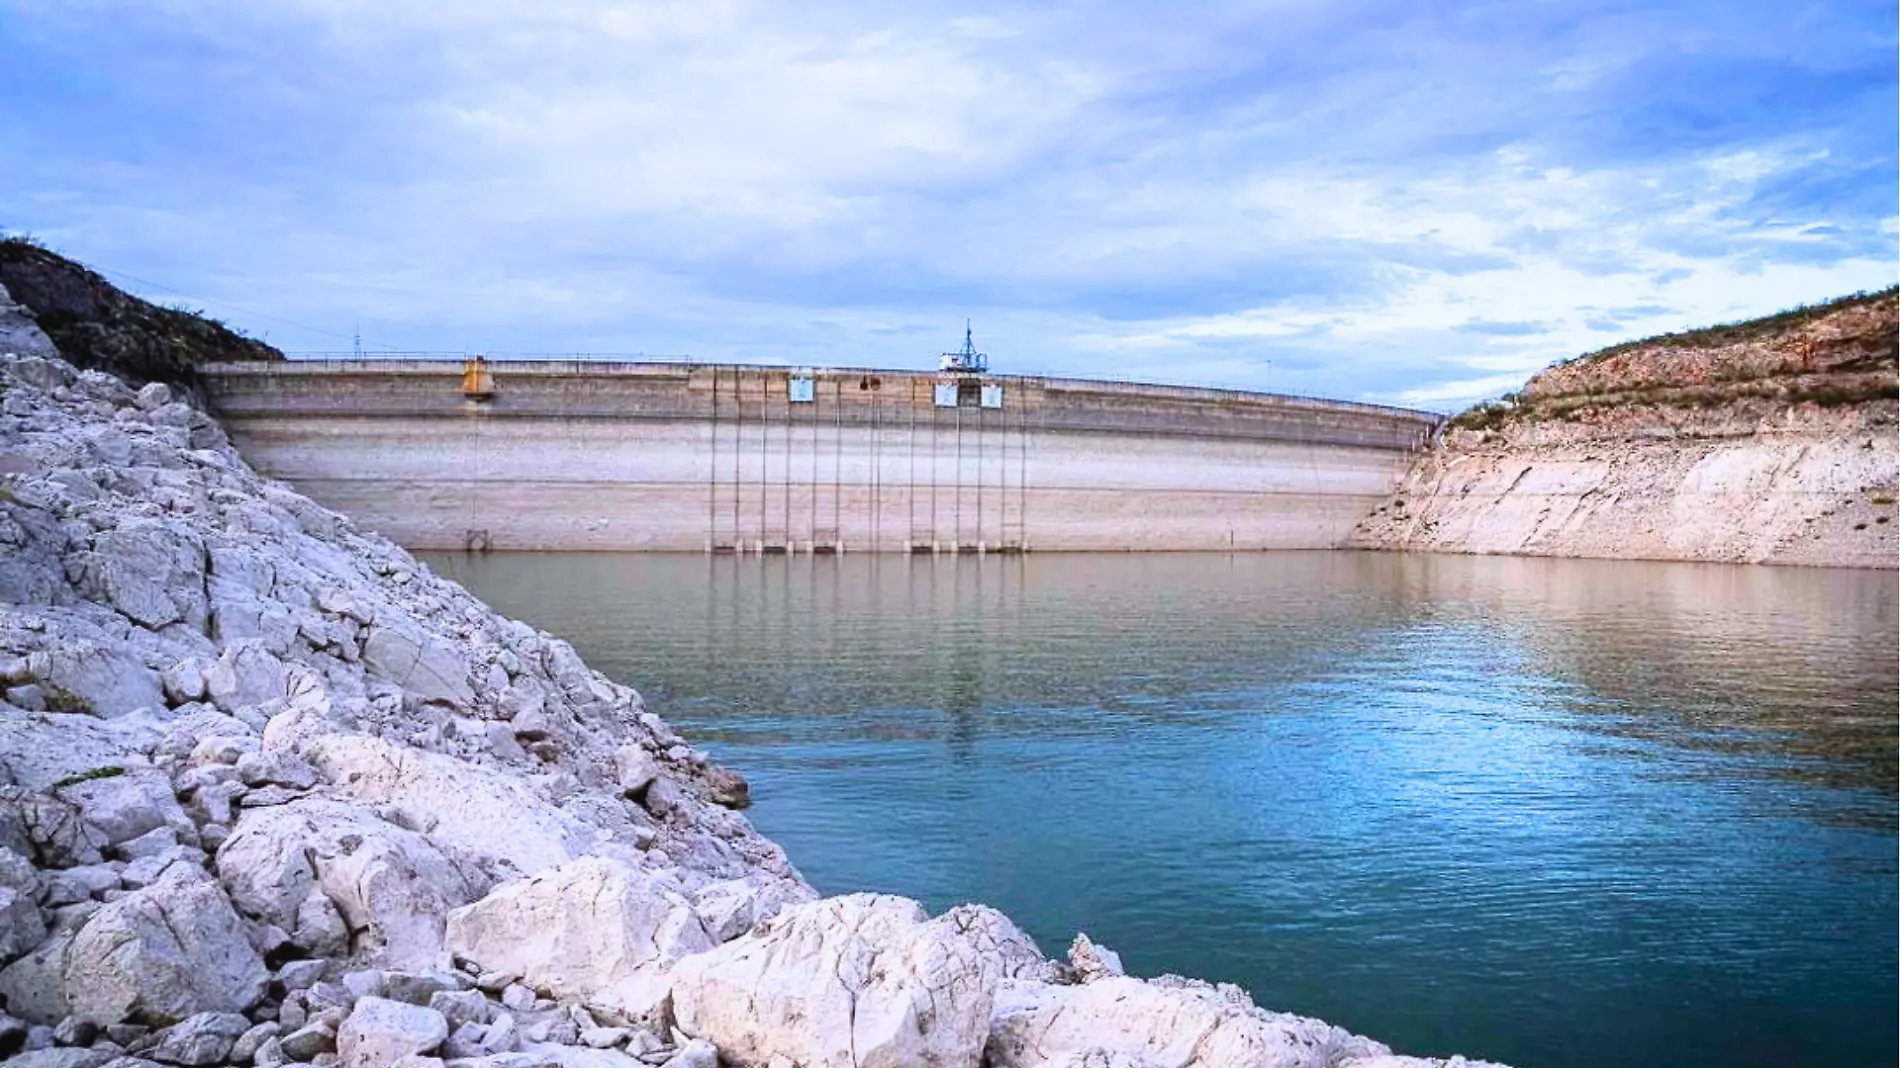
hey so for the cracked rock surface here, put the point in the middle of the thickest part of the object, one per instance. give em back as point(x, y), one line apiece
point(273, 793)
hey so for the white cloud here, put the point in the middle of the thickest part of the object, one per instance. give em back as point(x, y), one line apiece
point(1458, 394)
point(1598, 254)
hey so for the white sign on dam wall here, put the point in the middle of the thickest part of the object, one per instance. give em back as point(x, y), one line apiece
point(677, 457)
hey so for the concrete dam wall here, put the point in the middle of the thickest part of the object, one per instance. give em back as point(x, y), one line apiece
point(671, 457)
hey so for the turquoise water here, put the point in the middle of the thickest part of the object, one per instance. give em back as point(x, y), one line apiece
point(1550, 812)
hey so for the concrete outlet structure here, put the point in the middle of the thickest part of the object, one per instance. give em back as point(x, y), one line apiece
point(670, 457)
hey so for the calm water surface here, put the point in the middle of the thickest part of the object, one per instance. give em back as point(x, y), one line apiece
point(1551, 812)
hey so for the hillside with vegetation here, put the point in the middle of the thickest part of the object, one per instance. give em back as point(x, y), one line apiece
point(97, 326)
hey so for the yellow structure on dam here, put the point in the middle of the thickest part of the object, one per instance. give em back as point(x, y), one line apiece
point(669, 457)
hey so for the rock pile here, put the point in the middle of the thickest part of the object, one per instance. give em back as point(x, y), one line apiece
point(273, 793)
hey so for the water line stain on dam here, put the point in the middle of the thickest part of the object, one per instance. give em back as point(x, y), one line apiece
point(1562, 813)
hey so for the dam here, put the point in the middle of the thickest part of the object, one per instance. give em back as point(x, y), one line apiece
point(585, 455)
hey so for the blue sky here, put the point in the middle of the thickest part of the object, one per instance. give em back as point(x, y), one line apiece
point(1417, 203)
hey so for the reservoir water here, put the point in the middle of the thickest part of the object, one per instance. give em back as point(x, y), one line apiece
point(1557, 813)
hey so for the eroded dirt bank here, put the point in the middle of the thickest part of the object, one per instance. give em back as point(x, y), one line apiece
point(1772, 441)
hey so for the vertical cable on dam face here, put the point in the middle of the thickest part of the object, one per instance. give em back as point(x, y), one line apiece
point(736, 459)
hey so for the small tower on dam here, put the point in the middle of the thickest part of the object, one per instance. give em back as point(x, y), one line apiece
point(966, 360)
point(962, 382)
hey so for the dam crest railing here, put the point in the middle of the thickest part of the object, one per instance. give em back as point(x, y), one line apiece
point(420, 362)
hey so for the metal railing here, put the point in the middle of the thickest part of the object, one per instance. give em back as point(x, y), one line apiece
point(584, 362)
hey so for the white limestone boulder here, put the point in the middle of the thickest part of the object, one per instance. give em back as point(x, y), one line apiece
point(1001, 944)
point(1089, 962)
point(276, 769)
point(596, 930)
point(160, 954)
point(1170, 1021)
point(697, 1053)
point(86, 785)
point(731, 907)
point(425, 668)
point(577, 682)
point(133, 801)
point(379, 1032)
point(32, 986)
point(862, 981)
point(21, 333)
point(47, 828)
point(151, 571)
point(475, 810)
point(551, 1055)
point(390, 886)
point(204, 1038)
point(634, 769)
point(245, 673)
point(46, 749)
point(22, 927)
point(251, 585)
point(73, 1057)
point(99, 676)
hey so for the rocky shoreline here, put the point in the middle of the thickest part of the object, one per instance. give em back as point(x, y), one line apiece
point(273, 793)
point(1772, 441)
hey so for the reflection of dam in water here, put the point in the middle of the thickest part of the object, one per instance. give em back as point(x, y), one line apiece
point(582, 455)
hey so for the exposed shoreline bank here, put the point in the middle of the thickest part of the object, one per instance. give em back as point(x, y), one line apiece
point(1775, 441)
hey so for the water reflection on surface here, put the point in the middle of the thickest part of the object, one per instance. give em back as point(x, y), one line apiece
point(1556, 812)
